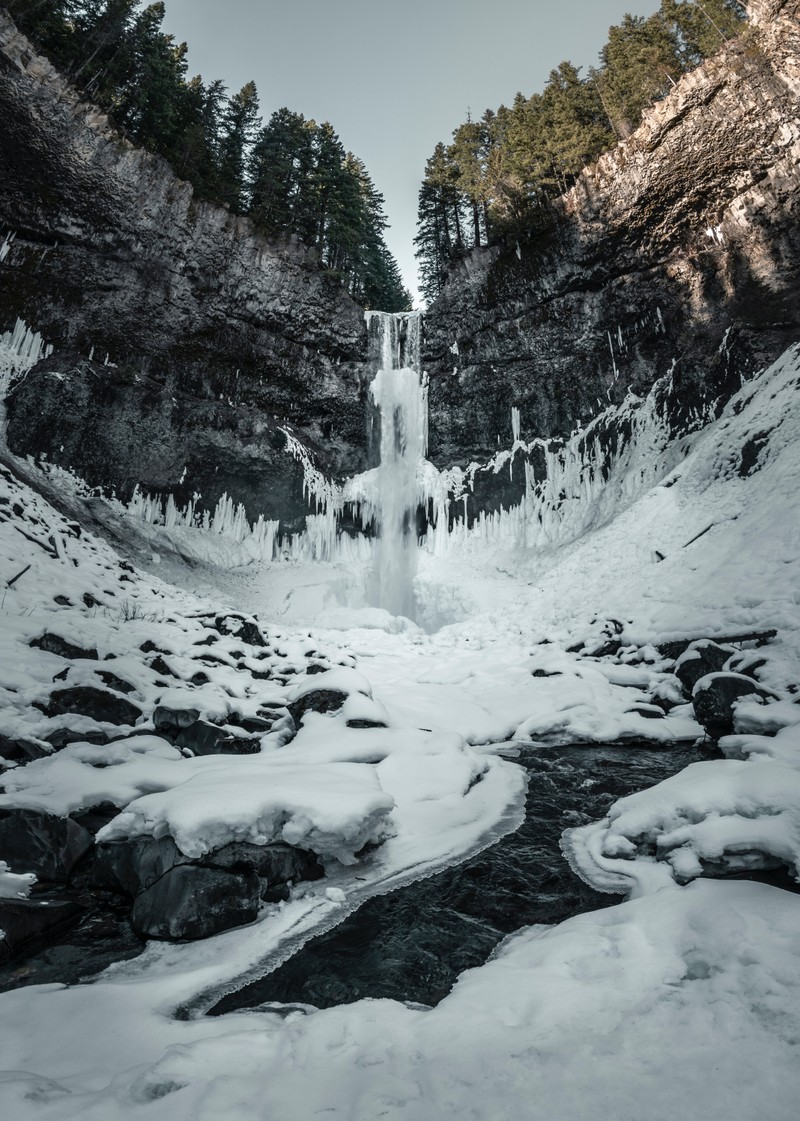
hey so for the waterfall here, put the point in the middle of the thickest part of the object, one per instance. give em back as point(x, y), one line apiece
point(400, 399)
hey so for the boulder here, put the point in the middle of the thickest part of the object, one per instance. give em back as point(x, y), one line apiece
point(715, 696)
point(50, 846)
point(202, 738)
point(100, 704)
point(132, 865)
point(698, 659)
point(23, 920)
point(274, 864)
point(170, 721)
point(191, 902)
point(236, 626)
point(18, 750)
point(317, 700)
point(55, 644)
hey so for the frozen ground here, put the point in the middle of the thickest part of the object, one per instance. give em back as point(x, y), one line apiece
point(680, 1003)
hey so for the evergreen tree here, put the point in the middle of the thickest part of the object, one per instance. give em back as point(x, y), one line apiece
point(703, 26)
point(281, 163)
point(640, 62)
point(240, 123)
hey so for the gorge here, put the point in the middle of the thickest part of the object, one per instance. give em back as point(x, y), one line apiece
point(399, 711)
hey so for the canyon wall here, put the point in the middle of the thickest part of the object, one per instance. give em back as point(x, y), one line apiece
point(678, 251)
point(215, 336)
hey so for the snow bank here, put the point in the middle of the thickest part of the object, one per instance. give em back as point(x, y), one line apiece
point(334, 809)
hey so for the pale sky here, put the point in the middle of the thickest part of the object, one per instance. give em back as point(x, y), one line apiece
point(392, 78)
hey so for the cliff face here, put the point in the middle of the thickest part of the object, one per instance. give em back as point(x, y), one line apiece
point(218, 336)
point(679, 249)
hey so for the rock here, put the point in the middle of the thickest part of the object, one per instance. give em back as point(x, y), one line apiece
point(714, 698)
point(698, 659)
point(24, 920)
point(18, 750)
point(202, 738)
point(235, 626)
point(62, 737)
point(96, 817)
point(191, 902)
point(275, 864)
point(99, 704)
point(49, 846)
point(170, 721)
point(317, 700)
point(158, 665)
point(134, 864)
point(55, 644)
point(113, 682)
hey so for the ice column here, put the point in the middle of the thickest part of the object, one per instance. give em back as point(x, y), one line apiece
point(400, 400)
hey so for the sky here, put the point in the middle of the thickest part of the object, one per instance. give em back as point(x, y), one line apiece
point(392, 78)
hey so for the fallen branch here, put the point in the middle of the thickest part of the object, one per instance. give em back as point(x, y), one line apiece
point(10, 583)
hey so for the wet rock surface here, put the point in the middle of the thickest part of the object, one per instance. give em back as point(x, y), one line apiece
point(412, 944)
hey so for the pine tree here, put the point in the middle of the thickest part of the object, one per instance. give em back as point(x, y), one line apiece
point(281, 163)
point(239, 127)
point(640, 63)
point(703, 26)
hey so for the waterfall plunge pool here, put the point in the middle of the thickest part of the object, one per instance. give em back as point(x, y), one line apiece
point(411, 944)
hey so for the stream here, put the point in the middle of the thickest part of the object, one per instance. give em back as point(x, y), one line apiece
point(411, 944)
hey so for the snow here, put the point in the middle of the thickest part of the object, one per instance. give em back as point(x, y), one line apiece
point(681, 1002)
point(13, 885)
point(333, 809)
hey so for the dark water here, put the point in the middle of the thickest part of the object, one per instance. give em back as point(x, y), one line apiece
point(412, 944)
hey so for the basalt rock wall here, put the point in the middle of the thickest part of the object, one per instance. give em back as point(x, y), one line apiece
point(216, 336)
point(679, 250)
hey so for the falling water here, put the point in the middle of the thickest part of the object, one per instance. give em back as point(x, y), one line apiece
point(400, 399)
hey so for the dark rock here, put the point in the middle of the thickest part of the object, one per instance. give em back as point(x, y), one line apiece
point(280, 893)
point(90, 601)
point(62, 601)
point(546, 673)
point(55, 644)
point(62, 737)
point(276, 863)
point(50, 846)
point(190, 902)
point(27, 920)
point(714, 698)
point(318, 700)
point(18, 750)
point(235, 626)
point(148, 646)
point(99, 704)
point(170, 721)
point(114, 682)
point(158, 665)
point(202, 738)
point(135, 863)
point(256, 724)
point(358, 722)
point(698, 659)
point(96, 817)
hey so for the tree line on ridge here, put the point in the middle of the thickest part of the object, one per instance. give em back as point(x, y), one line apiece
point(290, 175)
point(496, 181)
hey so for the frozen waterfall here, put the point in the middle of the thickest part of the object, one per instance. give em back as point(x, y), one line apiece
point(400, 399)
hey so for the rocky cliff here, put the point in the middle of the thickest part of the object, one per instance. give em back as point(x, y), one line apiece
point(215, 336)
point(679, 250)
